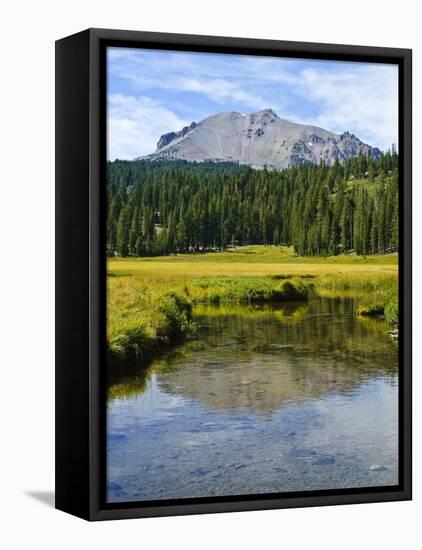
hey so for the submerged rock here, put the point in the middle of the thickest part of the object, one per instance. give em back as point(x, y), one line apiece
point(377, 468)
point(324, 461)
point(303, 453)
point(394, 334)
point(271, 348)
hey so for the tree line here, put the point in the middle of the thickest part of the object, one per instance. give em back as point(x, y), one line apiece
point(158, 208)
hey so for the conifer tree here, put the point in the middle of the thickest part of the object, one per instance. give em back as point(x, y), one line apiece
point(123, 233)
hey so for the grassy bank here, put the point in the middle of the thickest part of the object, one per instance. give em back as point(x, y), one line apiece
point(246, 290)
point(150, 300)
point(142, 322)
point(376, 296)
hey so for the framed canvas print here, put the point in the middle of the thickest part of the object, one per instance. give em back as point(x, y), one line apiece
point(233, 274)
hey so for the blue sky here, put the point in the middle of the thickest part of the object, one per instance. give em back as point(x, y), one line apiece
point(152, 92)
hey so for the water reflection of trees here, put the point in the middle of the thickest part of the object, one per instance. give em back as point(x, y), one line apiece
point(262, 358)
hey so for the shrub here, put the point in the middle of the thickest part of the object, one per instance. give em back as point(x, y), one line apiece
point(290, 291)
point(132, 340)
point(391, 311)
point(176, 310)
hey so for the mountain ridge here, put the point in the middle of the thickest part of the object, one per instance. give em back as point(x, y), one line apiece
point(260, 139)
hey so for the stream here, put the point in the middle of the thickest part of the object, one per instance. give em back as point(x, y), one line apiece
point(263, 399)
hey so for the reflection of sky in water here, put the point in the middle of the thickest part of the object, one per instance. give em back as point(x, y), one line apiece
point(259, 404)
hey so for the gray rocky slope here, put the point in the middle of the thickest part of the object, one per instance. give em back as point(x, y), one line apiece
point(259, 139)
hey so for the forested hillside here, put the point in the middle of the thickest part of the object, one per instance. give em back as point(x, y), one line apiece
point(157, 208)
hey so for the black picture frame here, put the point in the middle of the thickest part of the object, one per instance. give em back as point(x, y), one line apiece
point(80, 271)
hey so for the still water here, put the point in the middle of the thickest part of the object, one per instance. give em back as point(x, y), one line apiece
point(263, 399)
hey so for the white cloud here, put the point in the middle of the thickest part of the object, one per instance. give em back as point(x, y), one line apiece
point(135, 124)
point(363, 100)
point(219, 90)
point(180, 72)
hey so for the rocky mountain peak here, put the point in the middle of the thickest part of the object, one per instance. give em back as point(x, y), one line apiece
point(171, 136)
point(259, 139)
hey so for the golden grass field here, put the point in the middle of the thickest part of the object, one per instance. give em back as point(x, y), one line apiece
point(139, 308)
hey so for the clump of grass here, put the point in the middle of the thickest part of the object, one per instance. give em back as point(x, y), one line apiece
point(391, 311)
point(130, 340)
point(357, 284)
point(246, 290)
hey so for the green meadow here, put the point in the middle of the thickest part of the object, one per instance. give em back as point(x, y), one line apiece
point(151, 301)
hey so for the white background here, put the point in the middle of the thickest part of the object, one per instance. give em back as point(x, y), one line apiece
point(28, 31)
